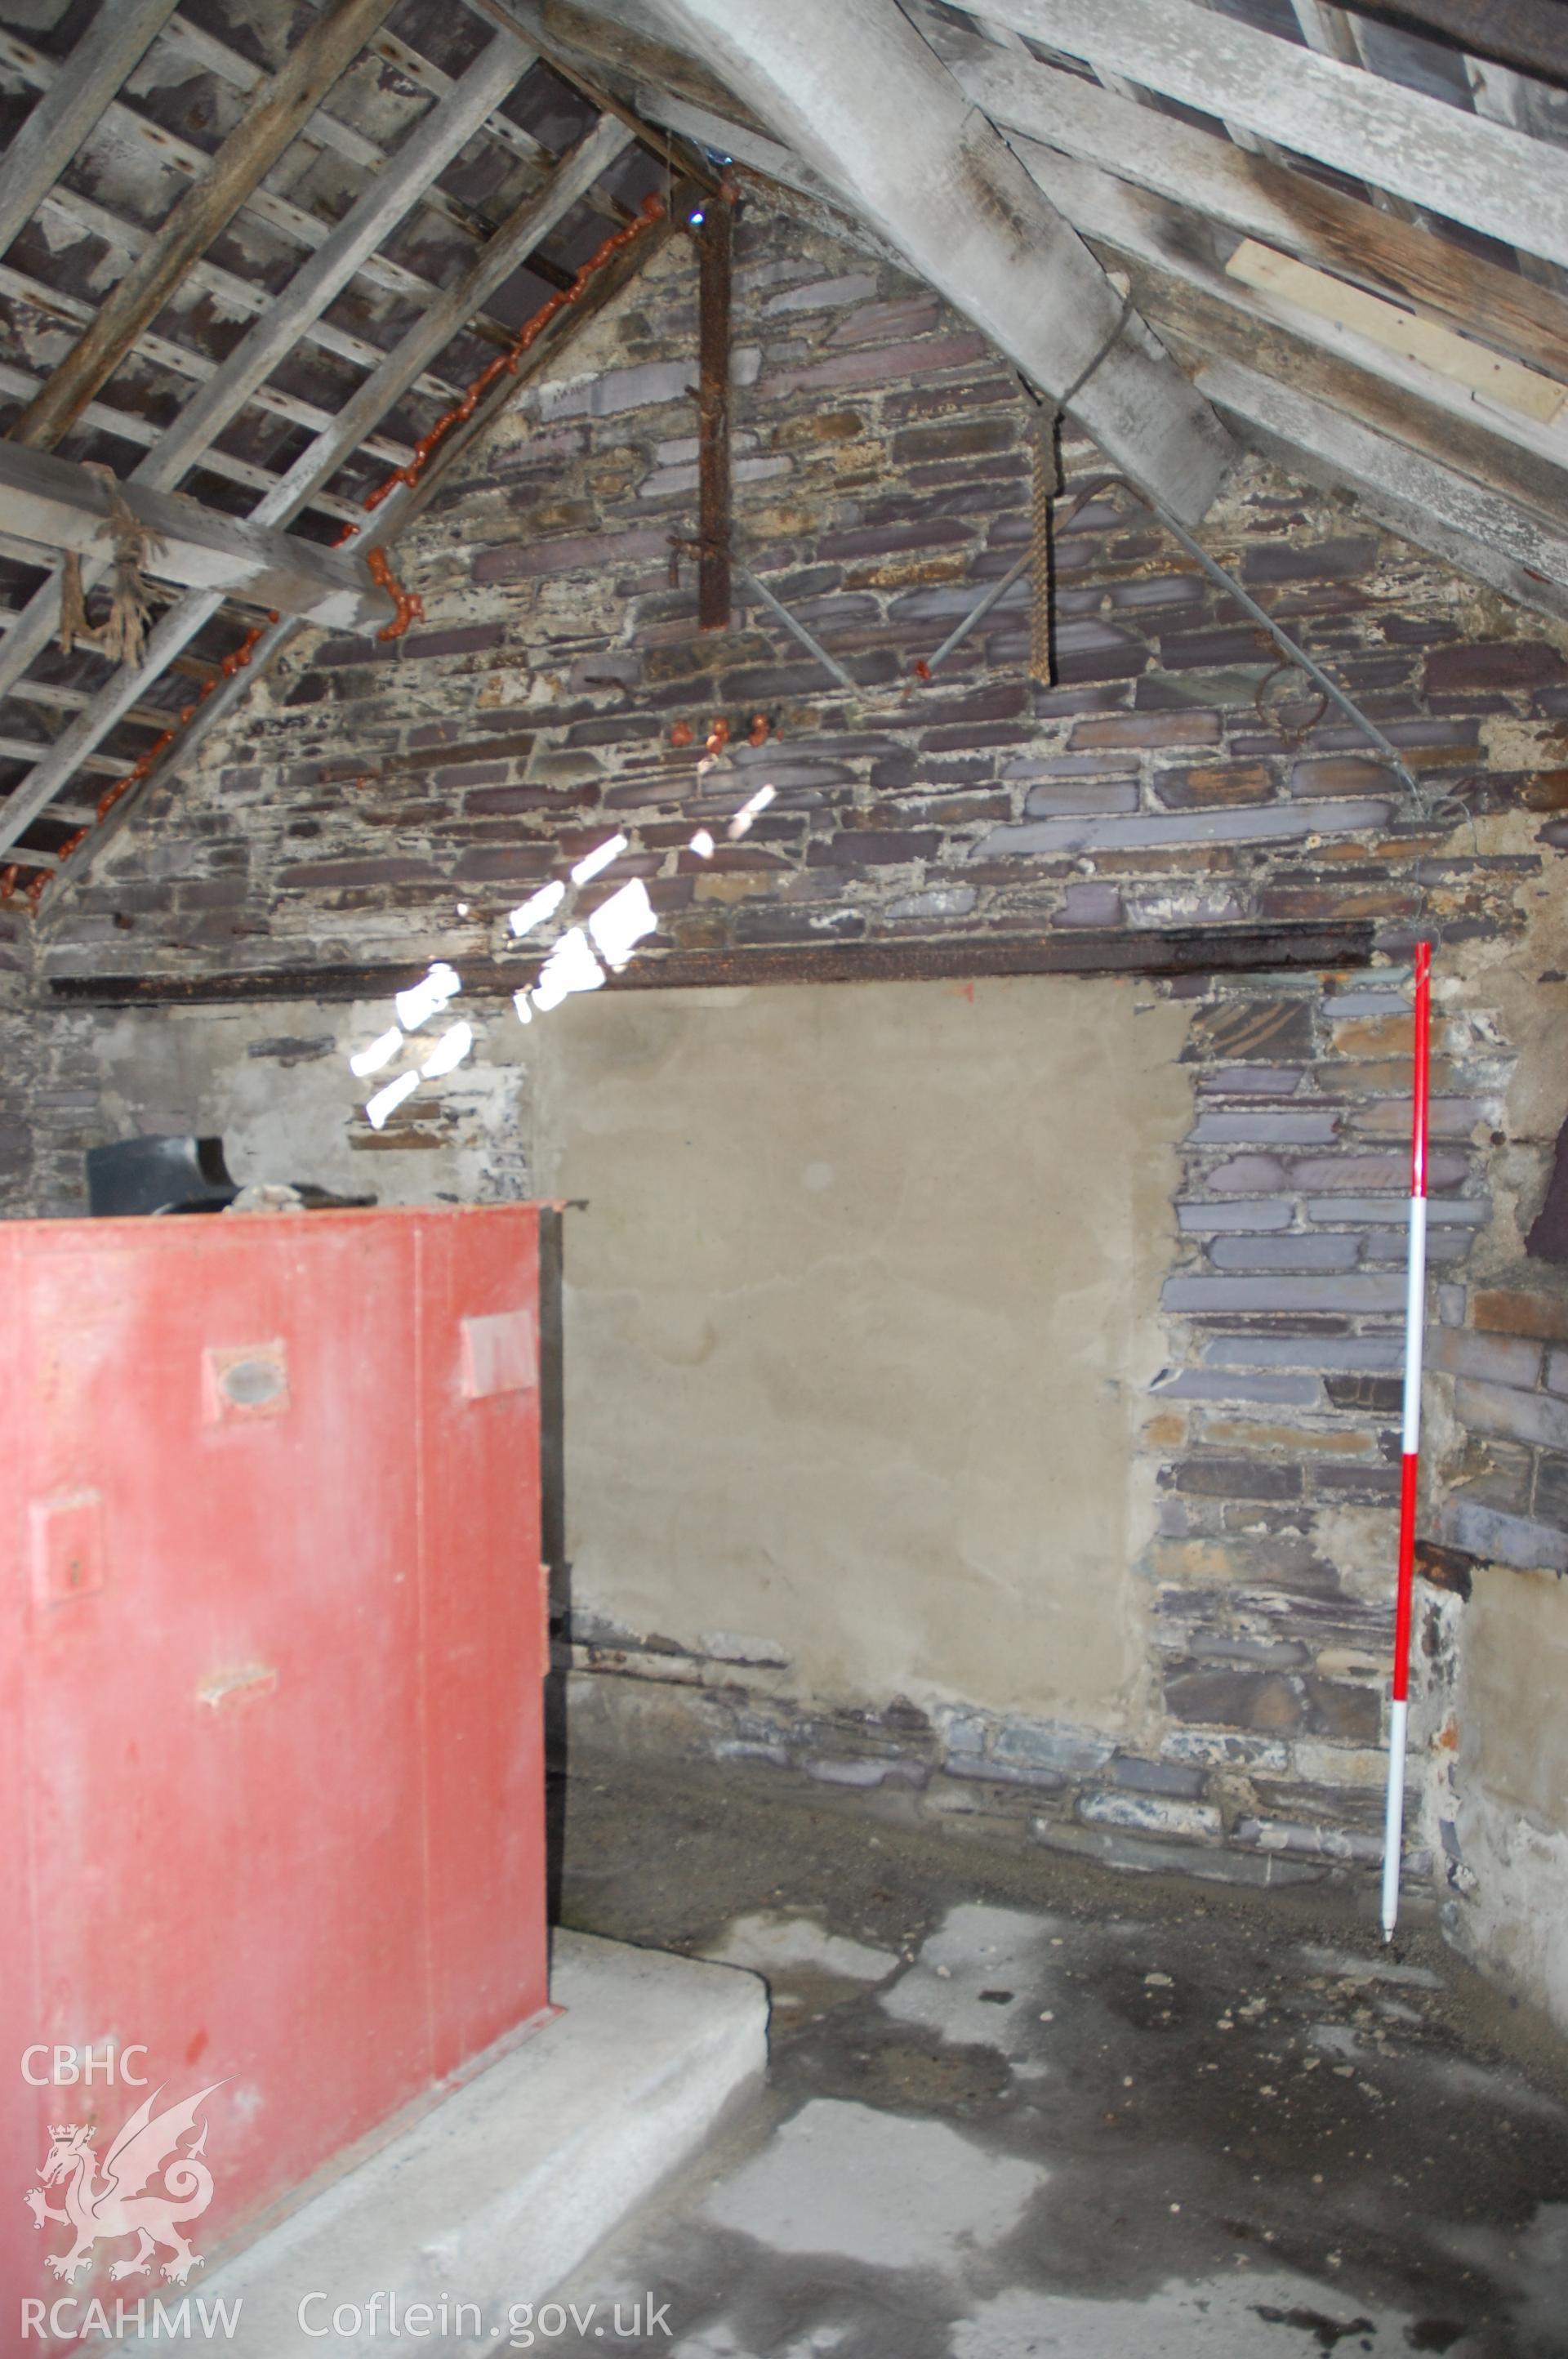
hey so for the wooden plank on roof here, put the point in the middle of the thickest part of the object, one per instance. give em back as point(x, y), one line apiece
point(61, 120)
point(1467, 364)
point(1177, 268)
point(1495, 179)
point(66, 508)
point(1283, 207)
point(248, 154)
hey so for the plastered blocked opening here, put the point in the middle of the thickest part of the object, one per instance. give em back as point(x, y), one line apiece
point(1513, 1765)
point(859, 1322)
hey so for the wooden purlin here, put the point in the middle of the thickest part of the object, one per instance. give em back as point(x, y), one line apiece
point(1286, 207)
point(64, 507)
point(1495, 180)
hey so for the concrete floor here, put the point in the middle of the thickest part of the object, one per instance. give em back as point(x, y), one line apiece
point(1019, 2106)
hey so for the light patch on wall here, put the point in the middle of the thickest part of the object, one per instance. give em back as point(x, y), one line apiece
point(748, 811)
point(594, 863)
point(536, 909)
point(571, 966)
point(449, 1051)
point(620, 923)
point(380, 1052)
point(387, 1100)
point(702, 844)
point(428, 996)
point(959, 1382)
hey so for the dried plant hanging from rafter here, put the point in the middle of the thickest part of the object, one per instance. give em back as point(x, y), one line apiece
point(122, 636)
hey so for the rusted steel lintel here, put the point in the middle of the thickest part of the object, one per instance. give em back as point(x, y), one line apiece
point(1220, 949)
point(714, 243)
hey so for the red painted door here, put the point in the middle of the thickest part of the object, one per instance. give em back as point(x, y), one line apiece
point(270, 1700)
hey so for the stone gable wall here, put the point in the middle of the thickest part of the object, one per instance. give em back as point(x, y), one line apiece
point(882, 482)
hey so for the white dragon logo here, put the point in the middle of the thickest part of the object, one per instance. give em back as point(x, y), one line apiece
point(117, 2205)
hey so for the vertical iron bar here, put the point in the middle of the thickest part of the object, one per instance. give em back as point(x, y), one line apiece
point(714, 241)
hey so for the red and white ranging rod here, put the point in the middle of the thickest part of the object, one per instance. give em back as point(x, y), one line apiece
point(1409, 1465)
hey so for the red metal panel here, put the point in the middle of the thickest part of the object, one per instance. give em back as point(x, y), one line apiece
point(485, 1636)
point(269, 1679)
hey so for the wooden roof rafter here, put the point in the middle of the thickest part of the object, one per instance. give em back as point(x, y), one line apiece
point(293, 224)
point(597, 284)
point(328, 453)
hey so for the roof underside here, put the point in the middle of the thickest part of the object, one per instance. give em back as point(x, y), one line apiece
point(1348, 228)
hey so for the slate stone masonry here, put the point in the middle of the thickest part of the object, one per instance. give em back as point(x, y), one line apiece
point(1173, 778)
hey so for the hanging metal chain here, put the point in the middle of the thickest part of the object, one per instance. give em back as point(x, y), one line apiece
point(1047, 484)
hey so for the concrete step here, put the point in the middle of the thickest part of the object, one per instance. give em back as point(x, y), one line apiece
point(492, 2197)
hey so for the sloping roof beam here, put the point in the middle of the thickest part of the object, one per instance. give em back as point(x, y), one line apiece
point(248, 154)
point(329, 131)
point(1504, 96)
point(1413, 450)
point(1326, 28)
point(1260, 200)
point(417, 68)
point(1480, 532)
point(180, 360)
point(59, 125)
point(66, 508)
point(506, 252)
point(861, 97)
point(1510, 428)
point(430, 146)
point(1484, 174)
point(68, 210)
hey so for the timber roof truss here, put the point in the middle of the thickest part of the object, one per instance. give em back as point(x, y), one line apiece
point(272, 264)
point(270, 268)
